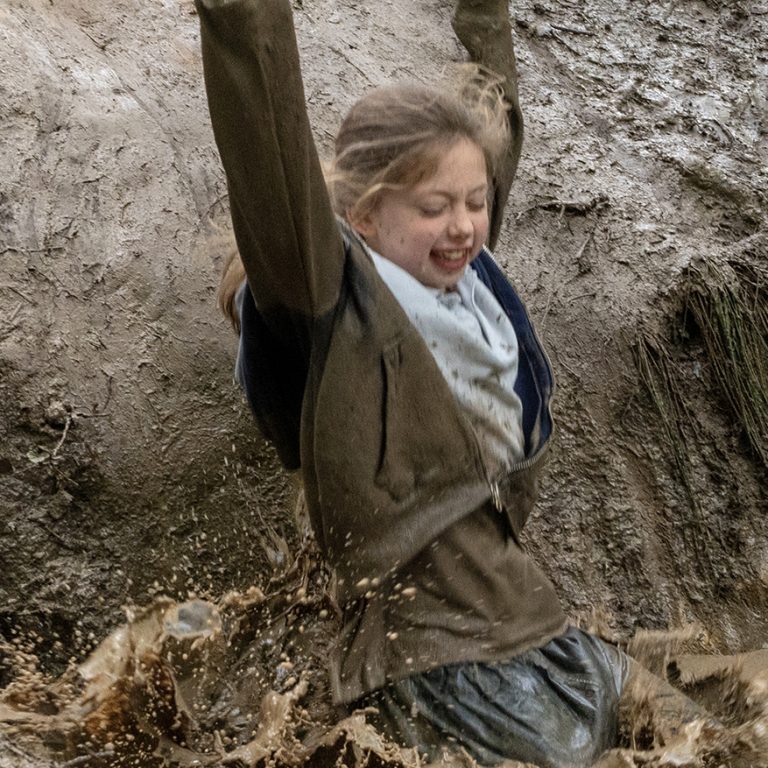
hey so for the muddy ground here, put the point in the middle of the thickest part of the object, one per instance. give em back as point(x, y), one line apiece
point(129, 467)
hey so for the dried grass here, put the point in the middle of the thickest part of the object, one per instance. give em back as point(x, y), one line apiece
point(728, 305)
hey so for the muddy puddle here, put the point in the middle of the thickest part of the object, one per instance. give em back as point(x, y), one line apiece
point(241, 681)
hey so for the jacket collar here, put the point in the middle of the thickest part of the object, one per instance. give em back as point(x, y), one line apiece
point(535, 383)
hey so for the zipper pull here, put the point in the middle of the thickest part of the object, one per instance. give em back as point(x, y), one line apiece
point(496, 496)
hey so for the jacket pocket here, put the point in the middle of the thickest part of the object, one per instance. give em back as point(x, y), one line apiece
point(425, 445)
point(518, 492)
point(394, 472)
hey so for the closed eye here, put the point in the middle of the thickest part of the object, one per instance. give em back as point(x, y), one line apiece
point(431, 212)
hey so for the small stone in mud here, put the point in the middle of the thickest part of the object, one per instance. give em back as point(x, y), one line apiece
point(57, 414)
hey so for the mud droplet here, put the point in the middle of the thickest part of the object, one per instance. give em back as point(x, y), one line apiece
point(195, 618)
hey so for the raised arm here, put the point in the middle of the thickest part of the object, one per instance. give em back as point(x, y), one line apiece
point(484, 30)
point(284, 226)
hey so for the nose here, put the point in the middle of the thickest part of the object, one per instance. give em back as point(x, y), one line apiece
point(460, 226)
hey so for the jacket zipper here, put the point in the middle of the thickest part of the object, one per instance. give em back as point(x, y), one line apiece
point(519, 467)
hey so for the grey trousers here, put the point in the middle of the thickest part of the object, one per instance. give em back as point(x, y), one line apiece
point(555, 706)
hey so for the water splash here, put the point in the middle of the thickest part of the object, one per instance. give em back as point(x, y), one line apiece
point(242, 682)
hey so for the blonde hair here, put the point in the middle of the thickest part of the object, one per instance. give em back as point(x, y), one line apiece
point(232, 277)
point(393, 138)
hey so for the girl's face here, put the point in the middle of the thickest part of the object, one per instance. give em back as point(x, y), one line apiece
point(435, 228)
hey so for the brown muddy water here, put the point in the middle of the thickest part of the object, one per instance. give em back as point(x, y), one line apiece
point(241, 681)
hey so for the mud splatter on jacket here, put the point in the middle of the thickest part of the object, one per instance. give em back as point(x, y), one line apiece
point(425, 544)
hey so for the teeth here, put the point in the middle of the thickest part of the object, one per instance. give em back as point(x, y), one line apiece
point(452, 255)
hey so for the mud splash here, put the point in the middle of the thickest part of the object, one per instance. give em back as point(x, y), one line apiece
point(241, 681)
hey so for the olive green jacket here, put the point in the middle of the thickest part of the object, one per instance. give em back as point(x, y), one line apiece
point(391, 466)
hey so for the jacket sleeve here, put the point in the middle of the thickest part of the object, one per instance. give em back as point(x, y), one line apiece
point(484, 29)
point(284, 225)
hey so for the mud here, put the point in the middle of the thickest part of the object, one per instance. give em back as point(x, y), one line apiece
point(129, 467)
point(241, 682)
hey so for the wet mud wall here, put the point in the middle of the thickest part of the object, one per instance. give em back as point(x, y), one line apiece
point(129, 464)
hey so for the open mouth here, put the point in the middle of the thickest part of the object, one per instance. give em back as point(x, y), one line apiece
point(450, 260)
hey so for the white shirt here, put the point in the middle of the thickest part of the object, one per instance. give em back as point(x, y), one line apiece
point(475, 348)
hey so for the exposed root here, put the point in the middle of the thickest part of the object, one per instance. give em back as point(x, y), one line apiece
point(715, 347)
point(728, 304)
point(658, 374)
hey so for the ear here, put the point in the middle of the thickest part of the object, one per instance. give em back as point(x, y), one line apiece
point(365, 225)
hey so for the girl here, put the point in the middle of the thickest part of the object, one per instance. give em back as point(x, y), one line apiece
point(386, 355)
